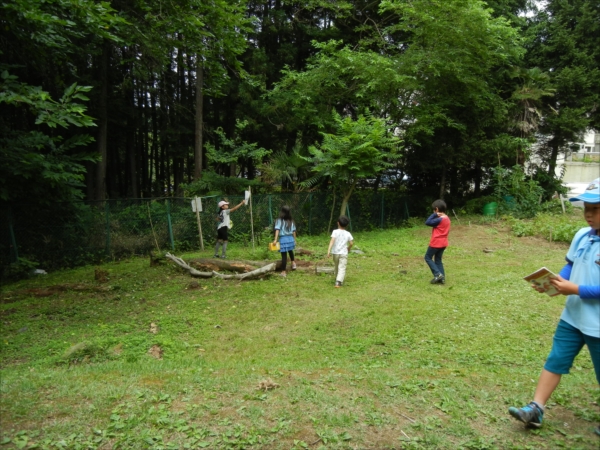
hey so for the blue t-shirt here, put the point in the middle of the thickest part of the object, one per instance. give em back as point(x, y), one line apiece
point(284, 230)
point(584, 253)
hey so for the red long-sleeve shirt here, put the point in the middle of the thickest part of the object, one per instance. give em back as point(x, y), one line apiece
point(441, 229)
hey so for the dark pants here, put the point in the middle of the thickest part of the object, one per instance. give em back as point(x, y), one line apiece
point(284, 259)
point(223, 233)
point(433, 258)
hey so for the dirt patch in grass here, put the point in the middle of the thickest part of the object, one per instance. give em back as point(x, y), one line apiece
point(152, 382)
point(8, 312)
point(52, 290)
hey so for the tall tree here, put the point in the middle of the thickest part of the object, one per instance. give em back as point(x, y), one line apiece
point(40, 42)
point(358, 149)
point(564, 41)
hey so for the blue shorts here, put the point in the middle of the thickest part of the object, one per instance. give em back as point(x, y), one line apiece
point(568, 342)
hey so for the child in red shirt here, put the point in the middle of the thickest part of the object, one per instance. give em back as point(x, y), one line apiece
point(438, 242)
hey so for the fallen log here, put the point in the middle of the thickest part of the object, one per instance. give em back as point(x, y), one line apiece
point(249, 275)
point(193, 272)
point(243, 276)
point(214, 264)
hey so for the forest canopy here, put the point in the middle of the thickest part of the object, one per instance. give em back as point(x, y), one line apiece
point(128, 99)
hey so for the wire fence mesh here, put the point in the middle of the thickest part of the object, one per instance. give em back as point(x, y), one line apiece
point(72, 234)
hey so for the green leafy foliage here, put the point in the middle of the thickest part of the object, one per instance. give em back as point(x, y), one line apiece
point(564, 42)
point(212, 183)
point(228, 150)
point(518, 195)
point(358, 149)
point(550, 226)
point(34, 163)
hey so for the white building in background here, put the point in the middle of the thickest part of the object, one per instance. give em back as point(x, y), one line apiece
point(582, 165)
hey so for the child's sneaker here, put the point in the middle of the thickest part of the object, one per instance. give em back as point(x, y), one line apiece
point(216, 256)
point(597, 430)
point(439, 278)
point(338, 284)
point(531, 415)
point(283, 274)
point(293, 266)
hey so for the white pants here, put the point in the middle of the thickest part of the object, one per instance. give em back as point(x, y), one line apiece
point(339, 269)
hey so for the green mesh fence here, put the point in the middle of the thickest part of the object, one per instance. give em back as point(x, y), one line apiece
point(73, 234)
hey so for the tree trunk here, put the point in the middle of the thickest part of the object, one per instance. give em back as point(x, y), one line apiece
point(443, 183)
point(144, 149)
point(154, 159)
point(553, 157)
point(477, 177)
point(346, 198)
point(100, 185)
point(198, 153)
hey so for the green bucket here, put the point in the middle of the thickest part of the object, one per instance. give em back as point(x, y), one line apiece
point(490, 209)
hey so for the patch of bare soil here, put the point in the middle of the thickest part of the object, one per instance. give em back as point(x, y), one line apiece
point(267, 385)
point(156, 352)
point(48, 291)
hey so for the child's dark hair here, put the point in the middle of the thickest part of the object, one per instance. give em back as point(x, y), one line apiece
point(440, 205)
point(343, 221)
point(285, 216)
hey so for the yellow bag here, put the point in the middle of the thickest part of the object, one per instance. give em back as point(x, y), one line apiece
point(274, 247)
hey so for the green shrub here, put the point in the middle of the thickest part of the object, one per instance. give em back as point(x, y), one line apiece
point(20, 269)
point(517, 195)
point(475, 205)
point(553, 206)
point(520, 227)
point(553, 227)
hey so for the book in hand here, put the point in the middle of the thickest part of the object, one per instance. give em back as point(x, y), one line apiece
point(541, 278)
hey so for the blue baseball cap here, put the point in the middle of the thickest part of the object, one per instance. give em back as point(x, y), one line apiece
point(591, 193)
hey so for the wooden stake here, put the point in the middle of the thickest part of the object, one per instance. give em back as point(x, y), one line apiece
point(562, 203)
point(251, 219)
point(152, 227)
point(456, 216)
point(199, 228)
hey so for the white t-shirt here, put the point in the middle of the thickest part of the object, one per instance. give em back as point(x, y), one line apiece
point(340, 245)
point(224, 220)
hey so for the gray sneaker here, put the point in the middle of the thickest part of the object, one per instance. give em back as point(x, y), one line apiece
point(531, 415)
point(438, 279)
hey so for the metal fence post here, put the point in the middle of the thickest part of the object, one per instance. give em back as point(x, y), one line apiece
point(170, 226)
point(310, 214)
point(13, 241)
point(382, 213)
point(107, 217)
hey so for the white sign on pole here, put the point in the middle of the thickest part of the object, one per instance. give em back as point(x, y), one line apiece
point(247, 199)
point(197, 204)
point(246, 196)
point(197, 208)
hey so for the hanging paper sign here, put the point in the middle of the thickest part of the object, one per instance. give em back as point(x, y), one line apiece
point(246, 196)
point(197, 204)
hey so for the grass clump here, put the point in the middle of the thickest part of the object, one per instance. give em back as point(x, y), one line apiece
point(388, 361)
point(553, 227)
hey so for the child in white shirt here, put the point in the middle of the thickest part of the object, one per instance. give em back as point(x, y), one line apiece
point(339, 246)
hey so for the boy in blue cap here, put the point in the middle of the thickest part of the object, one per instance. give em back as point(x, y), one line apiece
point(579, 323)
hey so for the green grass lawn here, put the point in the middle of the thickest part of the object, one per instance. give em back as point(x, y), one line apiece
point(388, 361)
